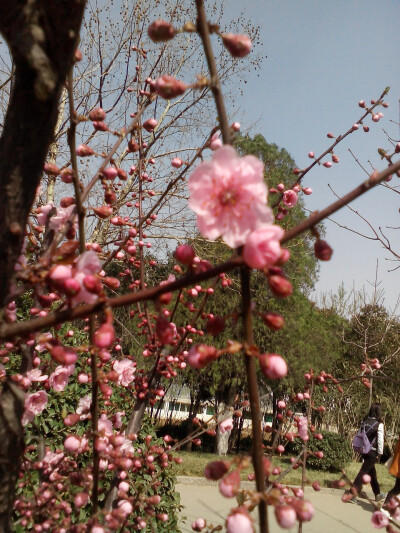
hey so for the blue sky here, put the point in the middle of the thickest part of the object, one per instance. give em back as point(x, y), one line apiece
point(323, 57)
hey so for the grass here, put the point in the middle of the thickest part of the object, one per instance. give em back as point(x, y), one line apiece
point(194, 462)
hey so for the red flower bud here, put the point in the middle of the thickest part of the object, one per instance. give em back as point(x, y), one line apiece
point(84, 150)
point(216, 469)
point(274, 321)
point(160, 30)
point(104, 211)
point(169, 87)
point(322, 250)
point(215, 325)
point(280, 286)
point(97, 115)
point(67, 201)
point(92, 284)
point(51, 169)
point(185, 254)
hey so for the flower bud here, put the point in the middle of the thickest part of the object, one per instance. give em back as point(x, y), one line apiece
point(274, 321)
point(67, 175)
point(215, 325)
point(104, 337)
point(280, 286)
point(322, 250)
point(273, 366)
point(104, 211)
point(285, 516)
point(238, 45)
point(97, 115)
point(160, 31)
point(216, 469)
point(239, 521)
point(169, 87)
point(185, 254)
point(83, 150)
point(150, 124)
point(176, 162)
point(229, 485)
point(51, 169)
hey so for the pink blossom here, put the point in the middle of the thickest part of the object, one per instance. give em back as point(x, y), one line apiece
point(302, 426)
point(304, 510)
point(84, 407)
point(379, 520)
point(226, 425)
point(165, 330)
point(229, 196)
point(199, 524)
point(125, 370)
point(97, 529)
point(35, 403)
point(52, 458)
point(59, 378)
point(44, 213)
point(239, 521)
point(105, 425)
point(262, 247)
point(36, 375)
point(86, 264)
point(72, 443)
point(290, 198)
point(61, 217)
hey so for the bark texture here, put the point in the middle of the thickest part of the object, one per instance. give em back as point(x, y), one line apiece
point(42, 36)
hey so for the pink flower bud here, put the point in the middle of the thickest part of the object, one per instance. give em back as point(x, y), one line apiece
point(311, 155)
point(104, 337)
point(273, 366)
point(304, 510)
point(84, 151)
point(67, 175)
point(379, 520)
point(229, 485)
point(72, 444)
point(105, 211)
point(100, 126)
point(366, 479)
point(375, 118)
point(185, 254)
point(239, 521)
point(201, 355)
point(165, 331)
point(361, 103)
point(366, 129)
point(236, 126)
point(238, 45)
point(327, 164)
point(355, 127)
point(51, 169)
point(281, 404)
point(199, 524)
point(110, 173)
point(285, 516)
point(316, 486)
point(150, 124)
point(169, 87)
point(71, 287)
point(81, 499)
point(63, 355)
point(97, 115)
point(335, 158)
point(92, 284)
point(160, 31)
point(176, 162)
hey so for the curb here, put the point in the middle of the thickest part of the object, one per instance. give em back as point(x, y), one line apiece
point(249, 485)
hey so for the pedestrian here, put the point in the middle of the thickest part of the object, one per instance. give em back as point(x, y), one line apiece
point(395, 471)
point(375, 432)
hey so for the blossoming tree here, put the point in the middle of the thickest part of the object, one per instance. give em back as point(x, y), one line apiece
point(105, 470)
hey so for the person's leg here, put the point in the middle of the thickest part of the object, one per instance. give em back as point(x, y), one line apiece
point(374, 481)
point(366, 467)
point(394, 491)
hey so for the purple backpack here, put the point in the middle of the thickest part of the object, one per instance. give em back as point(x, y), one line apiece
point(361, 443)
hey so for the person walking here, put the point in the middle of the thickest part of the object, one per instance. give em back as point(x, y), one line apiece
point(395, 471)
point(375, 432)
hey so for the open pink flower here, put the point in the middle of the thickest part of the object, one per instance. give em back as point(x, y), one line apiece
point(125, 370)
point(262, 247)
point(35, 403)
point(59, 378)
point(229, 196)
point(61, 217)
point(290, 198)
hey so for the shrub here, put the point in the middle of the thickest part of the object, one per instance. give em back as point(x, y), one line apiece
point(336, 448)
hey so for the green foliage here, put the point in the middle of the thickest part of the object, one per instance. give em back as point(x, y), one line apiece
point(336, 448)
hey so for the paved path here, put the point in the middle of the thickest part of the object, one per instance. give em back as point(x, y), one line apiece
point(331, 514)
